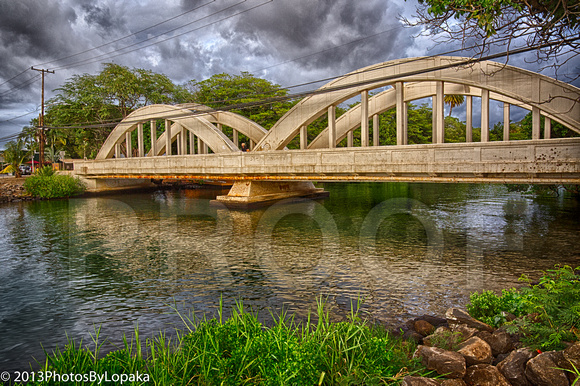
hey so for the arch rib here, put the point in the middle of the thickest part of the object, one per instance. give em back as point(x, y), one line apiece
point(552, 97)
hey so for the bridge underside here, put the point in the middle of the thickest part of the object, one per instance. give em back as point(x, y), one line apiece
point(552, 161)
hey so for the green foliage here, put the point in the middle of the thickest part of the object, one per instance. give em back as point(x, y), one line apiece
point(225, 90)
point(46, 185)
point(549, 311)
point(15, 154)
point(45, 171)
point(240, 350)
point(107, 97)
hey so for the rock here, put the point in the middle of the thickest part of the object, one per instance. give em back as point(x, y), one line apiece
point(423, 327)
point(508, 316)
point(443, 338)
point(418, 381)
point(514, 366)
point(476, 351)
point(465, 331)
point(456, 316)
point(500, 357)
point(484, 375)
point(450, 363)
point(500, 341)
point(572, 357)
point(542, 371)
point(453, 382)
point(413, 335)
point(434, 320)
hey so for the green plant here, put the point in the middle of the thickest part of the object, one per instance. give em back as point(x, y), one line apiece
point(45, 171)
point(53, 186)
point(240, 350)
point(549, 311)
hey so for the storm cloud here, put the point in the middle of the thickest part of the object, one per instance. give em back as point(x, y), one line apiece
point(285, 41)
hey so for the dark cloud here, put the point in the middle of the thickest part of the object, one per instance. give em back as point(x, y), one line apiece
point(285, 41)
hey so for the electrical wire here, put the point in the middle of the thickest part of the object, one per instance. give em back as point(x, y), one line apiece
point(329, 89)
point(116, 53)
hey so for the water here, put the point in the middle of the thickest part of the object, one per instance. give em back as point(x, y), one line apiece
point(68, 267)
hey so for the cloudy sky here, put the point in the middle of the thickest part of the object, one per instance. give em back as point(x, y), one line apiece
point(288, 42)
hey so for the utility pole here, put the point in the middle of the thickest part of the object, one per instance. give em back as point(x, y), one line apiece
point(41, 123)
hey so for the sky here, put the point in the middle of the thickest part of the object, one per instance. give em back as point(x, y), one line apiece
point(288, 42)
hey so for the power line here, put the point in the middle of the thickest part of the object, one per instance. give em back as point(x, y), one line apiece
point(22, 85)
point(271, 100)
point(133, 34)
point(116, 53)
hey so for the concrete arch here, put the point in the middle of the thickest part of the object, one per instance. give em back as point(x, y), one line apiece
point(386, 100)
point(238, 122)
point(202, 128)
point(552, 97)
point(207, 132)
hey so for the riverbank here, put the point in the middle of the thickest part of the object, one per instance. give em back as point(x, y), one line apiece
point(12, 190)
point(453, 350)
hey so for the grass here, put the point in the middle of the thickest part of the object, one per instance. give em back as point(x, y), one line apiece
point(240, 350)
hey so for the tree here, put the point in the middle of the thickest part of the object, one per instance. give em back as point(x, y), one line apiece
point(101, 101)
point(501, 22)
point(14, 154)
point(453, 100)
point(227, 91)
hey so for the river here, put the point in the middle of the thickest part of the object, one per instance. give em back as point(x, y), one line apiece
point(68, 267)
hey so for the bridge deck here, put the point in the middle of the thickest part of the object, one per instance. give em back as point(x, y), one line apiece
point(534, 161)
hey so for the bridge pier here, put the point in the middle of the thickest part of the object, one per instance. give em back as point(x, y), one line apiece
point(248, 194)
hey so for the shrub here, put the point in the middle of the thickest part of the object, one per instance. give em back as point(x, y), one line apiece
point(549, 310)
point(53, 186)
point(45, 171)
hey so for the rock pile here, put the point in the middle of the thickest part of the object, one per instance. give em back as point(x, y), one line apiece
point(13, 192)
point(465, 351)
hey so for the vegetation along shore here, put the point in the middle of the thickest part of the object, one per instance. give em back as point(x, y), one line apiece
point(525, 336)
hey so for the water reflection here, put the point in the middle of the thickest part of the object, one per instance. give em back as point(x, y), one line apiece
point(407, 249)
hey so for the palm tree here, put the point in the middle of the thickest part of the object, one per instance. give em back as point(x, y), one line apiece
point(15, 154)
point(453, 100)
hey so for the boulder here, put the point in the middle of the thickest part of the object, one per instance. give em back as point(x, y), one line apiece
point(453, 382)
point(476, 351)
point(542, 370)
point(418, 381)
point(444, 338)
point(413, 336)
point(465, 331)
point(484, 375)
point(514, 366)
point(434, 320)
point(450, 363)
point(423, 327)
point(500, 341)
point(572, 359)
point(456, 316)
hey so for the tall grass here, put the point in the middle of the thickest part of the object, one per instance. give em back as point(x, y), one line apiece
point(240, 350)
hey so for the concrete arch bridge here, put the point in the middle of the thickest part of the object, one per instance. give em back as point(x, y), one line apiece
point(199, 149)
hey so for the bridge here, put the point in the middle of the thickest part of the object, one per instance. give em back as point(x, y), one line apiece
point(193, 145)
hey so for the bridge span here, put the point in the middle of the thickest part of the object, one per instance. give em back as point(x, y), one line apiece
point(192, 144)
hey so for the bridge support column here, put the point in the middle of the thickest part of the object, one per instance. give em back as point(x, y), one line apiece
point(401, 113)
point(440, 115)
point(168, 137)
point(535, 123)
point(376, 130)
point(547, 128)
point(247, 194)
point(140, 144)
point(350, 139)
point(128, 147)
point(191, 143)
point(469, 119)
point(183, 138)
point(236, 138)
point(364, 118)
point(506, 121)
point(117, 150)
point(484, 115)
point(153, 124)
point(303, 137)
point(331, 127)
